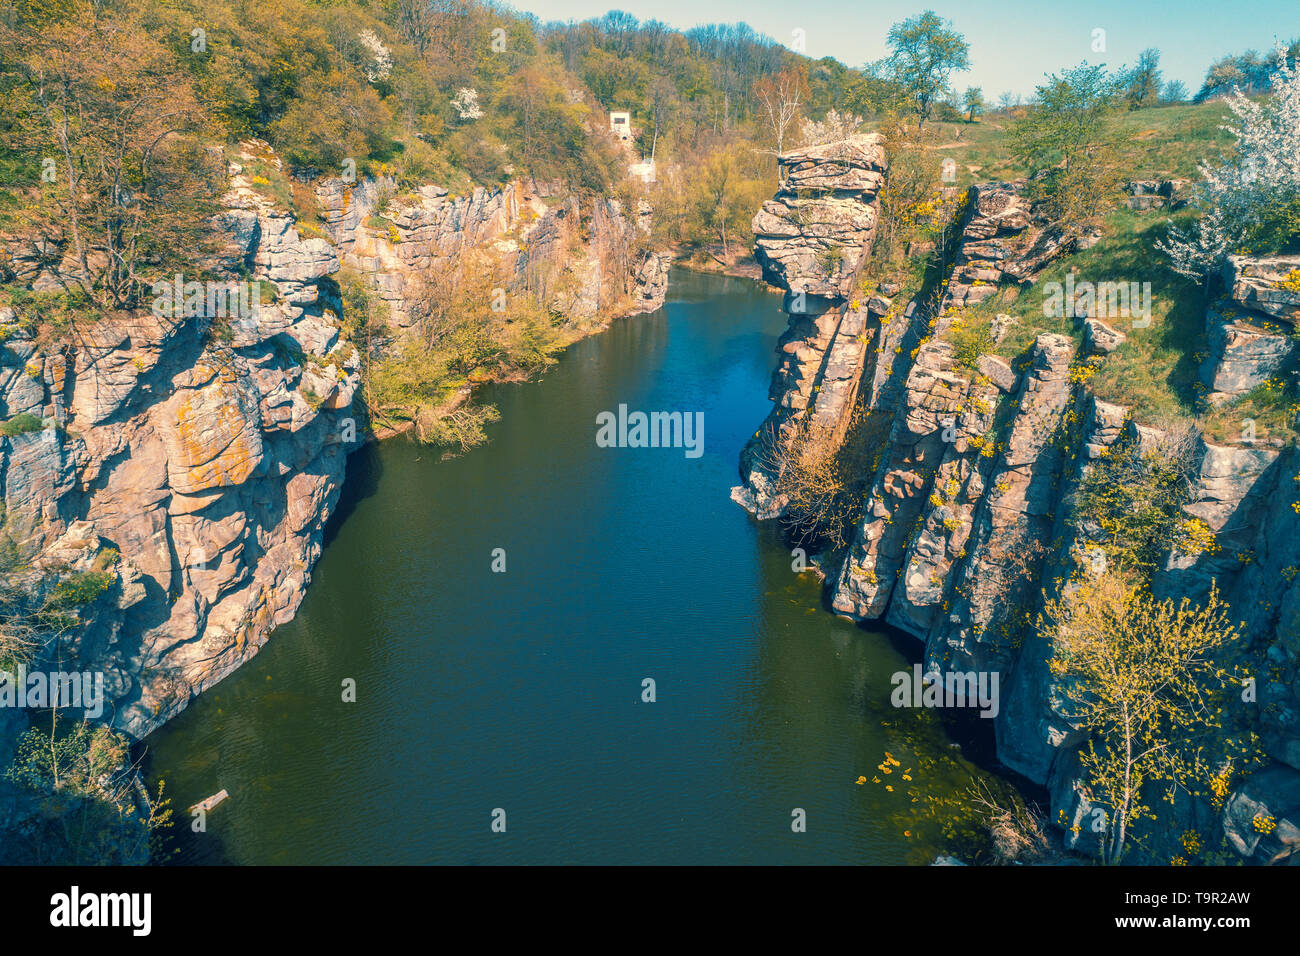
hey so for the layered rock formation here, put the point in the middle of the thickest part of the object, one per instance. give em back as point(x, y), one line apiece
point(966, 527)
point(810, 241)
point(201, 453)
point(194, 455)
point(1251, 331)
point(394, 240)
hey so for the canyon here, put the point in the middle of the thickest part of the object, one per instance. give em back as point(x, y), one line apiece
point(966, 527)
point(195, 459)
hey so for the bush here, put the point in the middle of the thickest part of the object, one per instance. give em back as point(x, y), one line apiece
point(970, 339)
point(21, 424)
point(80, 589)
point(1133, 499)
point(88, 813)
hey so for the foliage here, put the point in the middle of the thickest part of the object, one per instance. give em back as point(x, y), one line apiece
point(87, 814)
point(1253, 200)
point(80, 588)
point(1069, 143)
point(823, 474)
point(782, 97)
point(832, 128)
point(924, 53)
point(1146, 680)
point(1250, 72)
point(1131, 499)
point(465, 329)
point(111, 134)
point(21, 424)
point(1141, 84)
point(970, 339)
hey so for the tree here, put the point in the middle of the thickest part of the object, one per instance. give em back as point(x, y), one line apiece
point(1253, 200)
point(924, 54)
point(726, 195)
point(83, 775)
point(973, 101)
point(1175, 91)
point(1069, 141)
point(1141, 678)
point(101, 105)
point(1142, 82)
point(780, 97)
point(832, 128)
point(335, 118)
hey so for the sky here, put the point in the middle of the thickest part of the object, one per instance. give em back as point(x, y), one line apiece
point(1014, 43)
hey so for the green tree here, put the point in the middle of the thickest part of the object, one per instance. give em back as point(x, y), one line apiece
point(113, 135)
point(1070, 142)
point(973, 100)
point(1142, 82)
point(89, 815)
point(924, 53)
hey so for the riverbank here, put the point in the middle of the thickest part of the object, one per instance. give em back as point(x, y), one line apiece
point(523, 689)
point(739, 264)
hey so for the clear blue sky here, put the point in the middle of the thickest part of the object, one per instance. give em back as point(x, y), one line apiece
point(1013, 42)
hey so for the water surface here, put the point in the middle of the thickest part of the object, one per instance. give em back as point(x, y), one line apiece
point(523, 690)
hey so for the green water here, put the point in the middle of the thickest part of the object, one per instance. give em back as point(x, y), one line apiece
point(523, 690)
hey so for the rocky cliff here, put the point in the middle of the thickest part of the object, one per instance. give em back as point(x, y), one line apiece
point(186, 459)
point(966, 524)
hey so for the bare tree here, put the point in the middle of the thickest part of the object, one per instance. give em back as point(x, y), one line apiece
point(781, 97)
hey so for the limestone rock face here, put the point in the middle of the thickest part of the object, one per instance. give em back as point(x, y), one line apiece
point(810, 240)
point(1148, 194)
point(208, 453)
point(1001, 240)
point(651, 282)
point(1101, 338)
point(967, 524)
point(1251, 331)
point(811, 237)
point(1242, 354)
point(393, 240)
point(199, 455)
point(1267, 284)
point(1262, 820)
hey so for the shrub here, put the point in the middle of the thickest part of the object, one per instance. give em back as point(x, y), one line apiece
point(21, 424)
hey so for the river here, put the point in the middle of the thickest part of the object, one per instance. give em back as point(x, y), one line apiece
point(522, 691)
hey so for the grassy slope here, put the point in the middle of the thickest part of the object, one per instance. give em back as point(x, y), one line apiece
point(1155, 371)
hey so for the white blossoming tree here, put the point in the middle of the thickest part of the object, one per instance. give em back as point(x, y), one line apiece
point(466, 105)
point(1252, 201)
point(382, 66)
point(834, 127)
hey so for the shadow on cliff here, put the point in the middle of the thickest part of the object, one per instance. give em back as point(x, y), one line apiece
point(365, 466)
point(972, 734)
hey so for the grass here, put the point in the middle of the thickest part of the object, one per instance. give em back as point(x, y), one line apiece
point(21, 424)
point(282, 189)
point(1163, 142)
point(1154, 371)
point(1267, 412)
